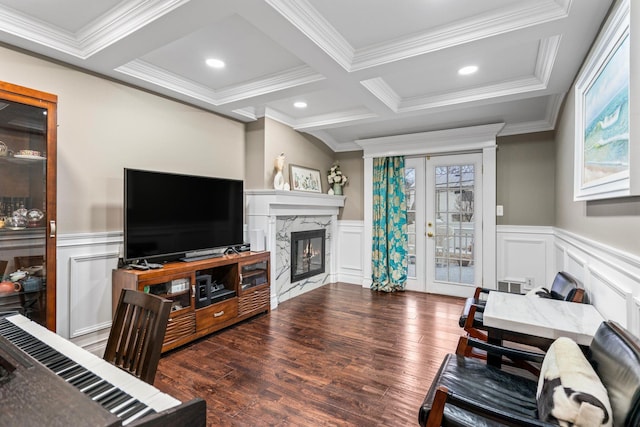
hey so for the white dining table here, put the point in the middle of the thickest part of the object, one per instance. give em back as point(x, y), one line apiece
point(540, 317)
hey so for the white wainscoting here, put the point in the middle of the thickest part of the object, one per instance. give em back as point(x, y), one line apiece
point(611, 277)
point(350, 253)
point(84, 264)
point(524, 254)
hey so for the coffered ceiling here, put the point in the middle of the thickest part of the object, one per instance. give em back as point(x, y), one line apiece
point(365, 68)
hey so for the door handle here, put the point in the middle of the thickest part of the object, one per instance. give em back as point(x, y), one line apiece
point(429, 234)
point(52, 228)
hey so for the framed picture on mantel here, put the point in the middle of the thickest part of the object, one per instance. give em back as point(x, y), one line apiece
point(305, 179)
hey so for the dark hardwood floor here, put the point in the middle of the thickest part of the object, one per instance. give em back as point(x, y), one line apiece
point(340, 355)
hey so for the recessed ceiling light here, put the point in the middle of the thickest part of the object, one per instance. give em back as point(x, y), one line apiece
point(215, 63)
point(469, 69)
point(300, 104)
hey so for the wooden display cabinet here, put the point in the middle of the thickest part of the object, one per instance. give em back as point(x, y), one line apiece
point(28, 135)
point(245, 293)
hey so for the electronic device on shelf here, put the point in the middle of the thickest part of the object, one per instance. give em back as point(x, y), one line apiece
point(179, 285)
point(171, 216)
point(215, 286)
point(203, 290)
point(221, 295)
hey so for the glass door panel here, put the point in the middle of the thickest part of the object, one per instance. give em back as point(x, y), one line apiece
point(27, 207)
point(453, 233)
point(414, 191)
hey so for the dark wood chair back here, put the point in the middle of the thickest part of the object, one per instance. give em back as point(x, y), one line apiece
point(567, 288)
point(137, 333)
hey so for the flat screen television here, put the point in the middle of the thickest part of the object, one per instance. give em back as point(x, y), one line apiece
point(171, 216)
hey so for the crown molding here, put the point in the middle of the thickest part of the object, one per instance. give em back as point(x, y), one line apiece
point(279, 117)
point(247, 112)
point(546, 57)
point(312, 24)
point(323, 120)
point(121, 21)
point(39, 32)
point(315, 123)
point(484, 26)
point(293, 77)
point(547, 54)
point(381, 90)
point(524, 128)
point(107, 29)
point(514, 87)
point(548, 123)
point(335, 146)
point(150, 73)
point(441, 141)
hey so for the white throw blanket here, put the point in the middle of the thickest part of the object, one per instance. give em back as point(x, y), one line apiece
point(569, 390)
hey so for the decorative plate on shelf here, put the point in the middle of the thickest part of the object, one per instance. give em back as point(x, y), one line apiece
point(28, 157)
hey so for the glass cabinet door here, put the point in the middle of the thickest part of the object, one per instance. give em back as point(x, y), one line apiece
point(254, 274)
point(27, 203)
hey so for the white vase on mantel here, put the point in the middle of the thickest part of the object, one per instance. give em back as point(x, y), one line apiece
point(330, 192)
point(278, 181)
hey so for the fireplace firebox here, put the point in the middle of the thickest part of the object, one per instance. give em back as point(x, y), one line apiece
point(307, 254)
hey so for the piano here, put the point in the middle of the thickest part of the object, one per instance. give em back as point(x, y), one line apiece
point(47, 380)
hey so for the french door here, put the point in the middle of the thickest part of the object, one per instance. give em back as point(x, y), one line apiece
point(444, 214)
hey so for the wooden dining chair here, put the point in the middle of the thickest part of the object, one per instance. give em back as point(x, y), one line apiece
point(137, 333)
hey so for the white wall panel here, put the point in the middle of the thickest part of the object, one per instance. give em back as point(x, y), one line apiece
point(83, 287)
point(611, 300)
point(350, 257)
point(90, 292)
point(525, 253)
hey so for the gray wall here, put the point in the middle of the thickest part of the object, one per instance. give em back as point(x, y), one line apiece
point(614, 222)
point(526, 179)
point(254, 151)
point(352, 165)
point(105, 127)
point(267, 139)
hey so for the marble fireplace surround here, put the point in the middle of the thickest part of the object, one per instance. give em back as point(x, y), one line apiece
point(276, 213)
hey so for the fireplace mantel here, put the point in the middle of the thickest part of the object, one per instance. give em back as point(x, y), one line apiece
point(282, 203)
point(264, 207)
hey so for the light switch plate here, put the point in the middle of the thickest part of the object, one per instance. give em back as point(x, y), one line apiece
point(499, 210)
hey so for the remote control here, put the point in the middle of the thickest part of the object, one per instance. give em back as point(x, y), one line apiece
point(153, 266)
point(138, 267)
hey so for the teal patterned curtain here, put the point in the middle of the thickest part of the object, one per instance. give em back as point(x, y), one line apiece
point(389, 257)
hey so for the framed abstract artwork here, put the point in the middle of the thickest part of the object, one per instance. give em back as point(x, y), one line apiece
point(602, 148)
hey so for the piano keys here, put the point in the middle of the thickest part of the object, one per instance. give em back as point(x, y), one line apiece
point(51, 381)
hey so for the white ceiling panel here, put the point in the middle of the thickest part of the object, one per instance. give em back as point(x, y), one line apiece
point(69, 15)
point(318, 103)
point(366, 22)
point(431, 75)
point(248, 54)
